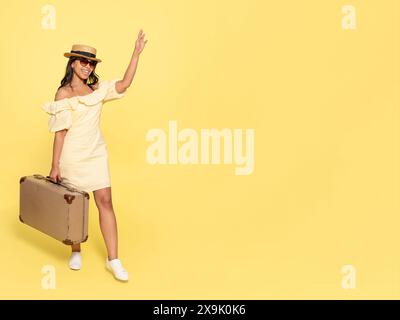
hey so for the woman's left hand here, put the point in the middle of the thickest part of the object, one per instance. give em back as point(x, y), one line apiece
point(140, 43)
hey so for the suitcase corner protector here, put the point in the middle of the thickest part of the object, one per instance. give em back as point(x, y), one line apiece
point(22, 179)
point(20, 218)
point(69, 198)
point(68, 242)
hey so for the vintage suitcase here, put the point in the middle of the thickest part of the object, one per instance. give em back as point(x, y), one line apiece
point(56, 209)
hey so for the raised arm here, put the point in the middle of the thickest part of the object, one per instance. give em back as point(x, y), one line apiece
point(122, 85)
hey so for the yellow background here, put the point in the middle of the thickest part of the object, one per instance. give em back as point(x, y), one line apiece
point(324, 104)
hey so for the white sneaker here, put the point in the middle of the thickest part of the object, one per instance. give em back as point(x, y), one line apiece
point(75, 261)
point(115, 266)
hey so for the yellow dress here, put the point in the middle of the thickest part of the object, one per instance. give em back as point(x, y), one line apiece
point(84, 156)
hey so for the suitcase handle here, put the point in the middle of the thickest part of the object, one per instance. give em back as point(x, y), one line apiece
point(47, 178)
point(69, 188)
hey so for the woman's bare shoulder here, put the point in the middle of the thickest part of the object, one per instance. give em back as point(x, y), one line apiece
point(61, 93)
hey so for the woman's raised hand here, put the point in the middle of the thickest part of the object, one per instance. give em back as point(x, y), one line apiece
point(140, 43)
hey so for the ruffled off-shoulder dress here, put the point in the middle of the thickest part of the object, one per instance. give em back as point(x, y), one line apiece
point(84, 156)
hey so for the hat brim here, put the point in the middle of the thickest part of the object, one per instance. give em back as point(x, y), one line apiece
point(68, 54)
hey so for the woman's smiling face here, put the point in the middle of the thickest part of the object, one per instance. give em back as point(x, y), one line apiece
point(84, 67)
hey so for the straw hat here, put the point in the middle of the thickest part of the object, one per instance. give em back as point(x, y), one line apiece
point(83, 51)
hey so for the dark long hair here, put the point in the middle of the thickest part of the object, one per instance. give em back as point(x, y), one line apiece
point(69, 72)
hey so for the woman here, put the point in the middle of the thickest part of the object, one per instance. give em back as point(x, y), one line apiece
point(80, 155)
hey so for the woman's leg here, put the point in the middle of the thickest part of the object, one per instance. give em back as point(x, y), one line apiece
point(76, 247)
point(75, 260)
point(108, 223)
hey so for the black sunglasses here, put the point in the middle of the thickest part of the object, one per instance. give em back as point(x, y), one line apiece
point(84, 62)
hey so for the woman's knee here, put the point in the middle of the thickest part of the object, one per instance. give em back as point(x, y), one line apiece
point(105, 202)
point(103, 199)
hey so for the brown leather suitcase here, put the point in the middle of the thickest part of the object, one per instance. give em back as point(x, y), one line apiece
point(54, 208)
